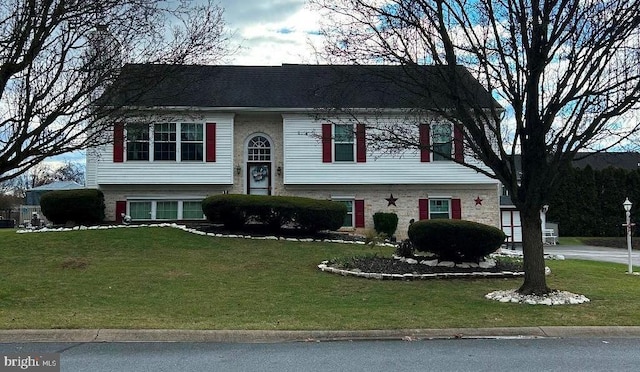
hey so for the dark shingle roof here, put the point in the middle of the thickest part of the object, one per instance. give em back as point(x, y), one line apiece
point(291, 86)
point(603, 160)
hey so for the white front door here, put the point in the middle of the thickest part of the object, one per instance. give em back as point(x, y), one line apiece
point(259, 178)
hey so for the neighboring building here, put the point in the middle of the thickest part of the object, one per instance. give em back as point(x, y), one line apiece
point(32, 200)
point(264, 130)
point(33, 195)
point(510, 217)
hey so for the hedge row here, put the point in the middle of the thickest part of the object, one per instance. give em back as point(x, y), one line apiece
point(81, 207)
point(235, 210)
point(588, 202)
point(455, 240)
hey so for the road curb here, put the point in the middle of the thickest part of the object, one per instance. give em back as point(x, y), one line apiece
point(272, 336)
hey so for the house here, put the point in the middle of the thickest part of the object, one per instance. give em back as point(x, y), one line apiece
point(195, 131)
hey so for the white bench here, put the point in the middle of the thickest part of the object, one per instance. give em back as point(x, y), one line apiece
point(549, 237)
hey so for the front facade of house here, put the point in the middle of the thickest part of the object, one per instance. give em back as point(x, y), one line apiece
point(161, 168)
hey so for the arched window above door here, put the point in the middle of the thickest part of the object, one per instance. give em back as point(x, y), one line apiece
point(259, 149)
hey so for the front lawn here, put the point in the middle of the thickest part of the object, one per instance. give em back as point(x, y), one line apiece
point(168, 278)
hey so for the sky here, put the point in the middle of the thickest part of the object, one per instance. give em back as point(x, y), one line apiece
point(272, 32)
point(268, 33)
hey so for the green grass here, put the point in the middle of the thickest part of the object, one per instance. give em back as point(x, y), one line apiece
point(167, 278)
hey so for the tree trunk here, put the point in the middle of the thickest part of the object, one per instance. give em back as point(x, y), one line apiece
point(535, 281)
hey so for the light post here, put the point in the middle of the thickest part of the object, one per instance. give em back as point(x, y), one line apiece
point(627, 207)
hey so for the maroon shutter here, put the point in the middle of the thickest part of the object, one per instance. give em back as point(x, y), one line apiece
point(425, 143)
point(361, 144)
point(423, 209)
point(326, 143)
point(359, 207)
point(211, 142)
point(458, 143)
point(118, 143)
point(456, 209)
point(121, 208)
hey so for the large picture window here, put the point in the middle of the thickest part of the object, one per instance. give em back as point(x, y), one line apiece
point(344, 142)
point(167, 210)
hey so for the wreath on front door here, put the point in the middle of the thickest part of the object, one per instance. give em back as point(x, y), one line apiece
point(260, 173)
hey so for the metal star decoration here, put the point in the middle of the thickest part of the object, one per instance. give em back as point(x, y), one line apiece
point(478, 200)
point(391, 200)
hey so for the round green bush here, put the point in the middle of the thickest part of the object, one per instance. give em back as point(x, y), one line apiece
point(456, 240)
point(82, 207)
point(385, 223)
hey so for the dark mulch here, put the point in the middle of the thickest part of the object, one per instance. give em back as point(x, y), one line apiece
point(393, 266)
point(263, 230)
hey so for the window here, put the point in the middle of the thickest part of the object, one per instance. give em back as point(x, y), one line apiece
point(438, 209)
point(192, 210)
point(344, 142)
point(164, 141)
point(191, 137)
point(259, 149)
point(441, 138)
point(140, 210)
point(348, 219)
point(166, 210)
point(137, 142)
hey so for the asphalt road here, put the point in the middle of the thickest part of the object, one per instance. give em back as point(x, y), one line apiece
point(594, 253)
point(548, 354)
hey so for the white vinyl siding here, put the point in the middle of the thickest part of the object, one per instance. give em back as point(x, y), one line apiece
point(176, 172)
point(303, 163)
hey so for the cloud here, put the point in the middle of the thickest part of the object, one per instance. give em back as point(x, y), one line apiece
point(272, 32)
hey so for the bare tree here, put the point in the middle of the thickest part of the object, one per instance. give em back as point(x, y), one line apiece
point(566, 72)
point(58, 56)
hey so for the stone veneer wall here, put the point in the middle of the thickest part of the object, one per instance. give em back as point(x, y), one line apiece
point(407, 204)
point(248, 125)
point(122, 192)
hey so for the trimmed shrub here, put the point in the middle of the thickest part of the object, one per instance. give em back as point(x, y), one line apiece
point(385, 223)
point(456, 240)
point(82, 207)
point(234, 211)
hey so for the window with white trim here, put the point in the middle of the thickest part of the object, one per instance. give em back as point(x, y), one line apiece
point(137, 142)
point(165, 210)
point(349, 218)
point(441, 140)
point(344, 143)
point(165, 142)
point(259, 149)
point(439, 209)
point(140, 210)
point(192, 210)
point(191, 142)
